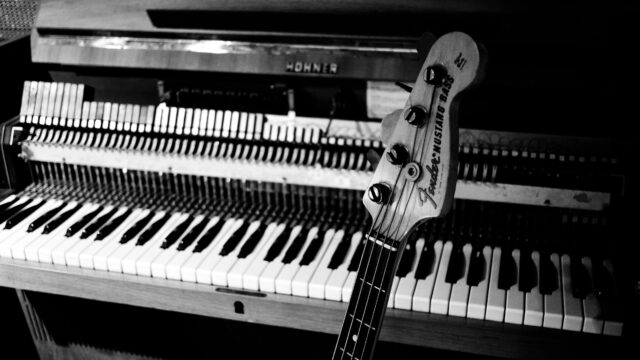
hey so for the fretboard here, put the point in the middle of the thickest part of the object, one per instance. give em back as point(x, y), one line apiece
point(368, 302)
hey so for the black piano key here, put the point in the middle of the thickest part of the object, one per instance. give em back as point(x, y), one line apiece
point(58, 220)
point(107, 229)
point(355, 260)
point(339, 255)
point(152, 230)
point(177, 233)
point(457, 264)
point(312, 249)
point(426, 261)
point(251, 243)
point(8, 204)
point(23, 214)
point(191, 236)
point(281, 241)
point(136, 228)
point(294, 249)
point(235, 239)
point(406, 261)
point(528, 274)
point(45, 217)
point(508, 275)
point(477, 267)
point(75, 227)
point(548, 275)
point(97, 224)
point(603, 282)
point(206, 239)
point(9, 212)
point(580, 279)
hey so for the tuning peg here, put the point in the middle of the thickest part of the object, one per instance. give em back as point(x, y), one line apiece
point(379, 193)
point(398, 155)
point(435, 74)
point(416, 116)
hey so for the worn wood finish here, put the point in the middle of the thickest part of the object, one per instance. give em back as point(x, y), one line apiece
point(400, 326)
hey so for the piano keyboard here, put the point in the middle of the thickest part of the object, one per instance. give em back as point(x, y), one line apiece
point(272, 249)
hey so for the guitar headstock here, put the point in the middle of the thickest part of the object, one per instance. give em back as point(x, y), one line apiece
point(416, 176)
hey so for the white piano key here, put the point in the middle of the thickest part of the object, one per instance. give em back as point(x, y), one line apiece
point(286, 273)
point(593, 320)
point(514, 312)
point(300, 282)
point(143, 263)
point(347, 288)
point(71, 250)
point(333, 288)
point(174, 266)
point(261, 274)
point(189, 267)
point(572, 305)
point(553, 307)
point(203, 271)
point(31, 249)
point(534, 301)
point(407, 284)
point(8, 237)
point(478, 294)
point(129, 261)
point(612, 322)
point(111, 243)
point(392, 291)
point(17, 249)
point(159, 264)
point(45, 252)
point(236, 273)
point(220, 270)
point(460, 290)
point(442, 289)
point(496, 298)
point(424, 287)
point(114, 259)
point(319, 279)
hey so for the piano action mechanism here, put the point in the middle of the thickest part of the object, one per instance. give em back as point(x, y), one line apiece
point(209, 160)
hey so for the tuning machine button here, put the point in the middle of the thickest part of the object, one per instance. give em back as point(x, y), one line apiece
point(398, 155)
point(435, 74)
point(416, 116)
point(379, 193)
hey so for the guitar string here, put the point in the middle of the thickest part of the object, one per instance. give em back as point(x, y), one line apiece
point(362, 262)
point(379, 256)
point(372, 286)
point(359, 265)
point(368, 331)
point(359, 296)
point(422, 140)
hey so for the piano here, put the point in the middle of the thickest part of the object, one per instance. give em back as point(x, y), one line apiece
point(206, 160)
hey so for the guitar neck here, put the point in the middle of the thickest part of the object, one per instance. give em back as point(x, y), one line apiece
point(368, 303)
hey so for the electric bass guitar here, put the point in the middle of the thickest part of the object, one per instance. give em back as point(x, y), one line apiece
point(414, 180)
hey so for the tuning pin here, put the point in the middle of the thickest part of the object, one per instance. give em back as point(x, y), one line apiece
point(435, 74)
point(379, 193)
point(398, 155)
point(416, 116)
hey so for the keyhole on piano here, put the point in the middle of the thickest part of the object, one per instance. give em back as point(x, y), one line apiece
point(238, 307)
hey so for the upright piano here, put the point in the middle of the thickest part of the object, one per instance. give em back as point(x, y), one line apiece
point(206, 160)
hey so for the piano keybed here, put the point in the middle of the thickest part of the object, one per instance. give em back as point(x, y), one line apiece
point(230, 199)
